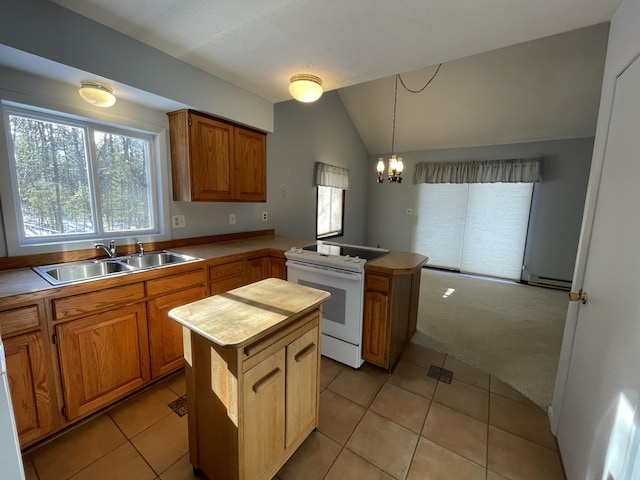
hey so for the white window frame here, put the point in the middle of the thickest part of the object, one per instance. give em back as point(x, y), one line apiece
point(18, 243)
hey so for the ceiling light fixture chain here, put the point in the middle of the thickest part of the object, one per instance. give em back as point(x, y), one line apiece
point(425, 85)
point(396, 166)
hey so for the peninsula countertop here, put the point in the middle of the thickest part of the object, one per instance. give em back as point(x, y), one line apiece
point(246, 314)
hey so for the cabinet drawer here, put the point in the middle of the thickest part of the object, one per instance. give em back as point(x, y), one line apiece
point(262, 348)
point(377, 282)
point(18, 319)
point(225, 270)
point(225, 285)
point(95, 301)
point(174, 283)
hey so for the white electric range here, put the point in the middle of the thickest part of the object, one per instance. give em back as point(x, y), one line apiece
point(338, 269)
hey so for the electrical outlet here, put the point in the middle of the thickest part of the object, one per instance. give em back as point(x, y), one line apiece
point(265, 217)
point(177, 221)
point(232, 219)
point(283, 192)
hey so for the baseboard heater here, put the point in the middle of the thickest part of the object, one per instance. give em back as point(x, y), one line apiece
point(549, 282)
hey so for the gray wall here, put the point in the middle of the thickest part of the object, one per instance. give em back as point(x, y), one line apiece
point(556, 210)
point(47, 30)
point(305, 134)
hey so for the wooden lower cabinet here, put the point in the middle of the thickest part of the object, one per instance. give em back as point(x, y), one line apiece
point(251, 408)
point(226, 276)
point(165, 335)
point(257, 269)
point(278, 267)
point(375, 331)
point(29, 386)
point(389, 318)
point(102, 358)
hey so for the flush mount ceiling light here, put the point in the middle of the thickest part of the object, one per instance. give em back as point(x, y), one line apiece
point(97, 94)
point(305, 88)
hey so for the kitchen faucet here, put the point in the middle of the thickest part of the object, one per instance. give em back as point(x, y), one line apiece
point(111, 249)
point(141, 248)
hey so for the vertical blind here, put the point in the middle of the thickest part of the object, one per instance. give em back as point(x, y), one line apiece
point(473, 216)
point(474, 228)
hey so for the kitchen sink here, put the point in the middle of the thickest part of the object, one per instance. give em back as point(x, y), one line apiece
point(156, 259)
point(75, 272)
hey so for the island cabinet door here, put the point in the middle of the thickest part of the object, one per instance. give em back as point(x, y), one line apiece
point(375, 328)
point(264, 418)
point(102, 358)
point(302, 385)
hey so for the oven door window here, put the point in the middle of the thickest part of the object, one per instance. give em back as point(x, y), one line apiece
point(333, 310)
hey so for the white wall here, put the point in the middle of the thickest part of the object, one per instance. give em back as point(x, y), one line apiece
point(624, 45)
point(47, 30)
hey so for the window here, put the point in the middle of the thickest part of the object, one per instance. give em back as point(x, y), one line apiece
point(75, 179)
point(330, 214)
point(474, 227)
point(332, 181)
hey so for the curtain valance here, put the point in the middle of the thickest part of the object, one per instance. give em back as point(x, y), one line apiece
point(332, 176)
point(525, 170)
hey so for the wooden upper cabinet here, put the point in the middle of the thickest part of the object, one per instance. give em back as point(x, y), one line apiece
point(250, 171)
point(211, 160)
point(216, 161)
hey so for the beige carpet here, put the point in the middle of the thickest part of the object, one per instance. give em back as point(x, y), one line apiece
point(509, 330)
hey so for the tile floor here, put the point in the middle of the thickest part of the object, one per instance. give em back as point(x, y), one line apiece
point(372, 426)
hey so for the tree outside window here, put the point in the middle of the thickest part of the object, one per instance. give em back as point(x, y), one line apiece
point(330, 212)
point(74, 179)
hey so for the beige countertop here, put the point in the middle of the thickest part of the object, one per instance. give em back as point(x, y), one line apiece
point(241, 316)
point(24, 280)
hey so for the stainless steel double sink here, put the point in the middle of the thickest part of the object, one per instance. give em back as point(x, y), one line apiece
point(75, 272)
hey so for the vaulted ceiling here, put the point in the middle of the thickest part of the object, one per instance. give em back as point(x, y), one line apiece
point(498, 84)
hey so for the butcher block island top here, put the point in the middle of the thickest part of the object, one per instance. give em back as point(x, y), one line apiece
point(246, 314)
point(252, 369)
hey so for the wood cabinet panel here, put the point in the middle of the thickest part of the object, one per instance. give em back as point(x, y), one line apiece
point(103, 357)
point(302, 385)
point(226, 276)
point(250, 165)
point(174, 283)
point(264, 415)
point(380, 283)
point(278, 268)
point(257, 269)
point(211, 160)
point(24, 318)
point(165, 335)
point(29, 386)
point(87, 303)
point(375, 328)
point(215, 160)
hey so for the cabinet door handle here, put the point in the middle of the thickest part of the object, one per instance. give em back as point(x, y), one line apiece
point(266, 379)
point(304, 352)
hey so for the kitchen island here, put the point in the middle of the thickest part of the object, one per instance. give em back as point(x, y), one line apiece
point(253, 376)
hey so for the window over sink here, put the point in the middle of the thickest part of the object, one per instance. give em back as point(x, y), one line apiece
point(79, 179)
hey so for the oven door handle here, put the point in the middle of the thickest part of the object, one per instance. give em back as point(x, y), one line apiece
point(325, 271)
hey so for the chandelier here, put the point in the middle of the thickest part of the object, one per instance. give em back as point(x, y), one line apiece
point(395, 165)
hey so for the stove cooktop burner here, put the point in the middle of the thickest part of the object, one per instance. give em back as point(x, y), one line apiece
point(344, 250)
